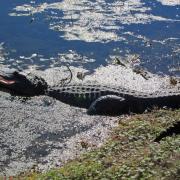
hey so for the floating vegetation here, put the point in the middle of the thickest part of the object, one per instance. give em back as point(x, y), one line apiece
point(2, 53)
point(73, 57)
point(92, 21)
point(170, 2)
point(86, 33)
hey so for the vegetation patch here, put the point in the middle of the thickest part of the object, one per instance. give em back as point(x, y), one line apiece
point(130, 153)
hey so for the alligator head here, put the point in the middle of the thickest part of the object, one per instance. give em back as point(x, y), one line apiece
point(16, 83)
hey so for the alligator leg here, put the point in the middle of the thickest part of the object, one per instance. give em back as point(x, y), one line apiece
point(109, 105)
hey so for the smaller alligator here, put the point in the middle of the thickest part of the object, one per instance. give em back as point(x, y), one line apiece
point(99, 99)
point(173, 130)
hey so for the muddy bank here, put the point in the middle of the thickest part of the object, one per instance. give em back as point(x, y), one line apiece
point(43, 133)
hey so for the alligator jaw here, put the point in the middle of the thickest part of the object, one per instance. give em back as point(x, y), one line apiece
point(5, 81)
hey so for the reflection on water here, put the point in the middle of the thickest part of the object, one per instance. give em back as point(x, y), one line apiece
point(88, 33)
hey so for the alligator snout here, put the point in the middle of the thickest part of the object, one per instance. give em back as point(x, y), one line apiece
point(16, 83)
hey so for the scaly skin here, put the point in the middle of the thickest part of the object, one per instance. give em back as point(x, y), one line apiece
point(111, 100)
point(99, 99)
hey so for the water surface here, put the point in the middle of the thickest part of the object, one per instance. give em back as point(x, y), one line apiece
point(89, 33)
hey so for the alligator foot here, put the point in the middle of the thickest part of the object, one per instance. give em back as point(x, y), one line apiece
point(107, 105)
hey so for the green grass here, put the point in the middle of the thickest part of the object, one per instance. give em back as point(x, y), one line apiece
point(130, 153)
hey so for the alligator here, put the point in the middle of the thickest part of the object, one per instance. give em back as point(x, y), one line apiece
point(172, 130)
point(98, 99)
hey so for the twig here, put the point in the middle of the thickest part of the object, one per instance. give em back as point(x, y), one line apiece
point(71, 75)
point(63, 81)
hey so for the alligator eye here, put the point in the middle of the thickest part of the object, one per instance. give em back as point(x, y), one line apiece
point(15, 73)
